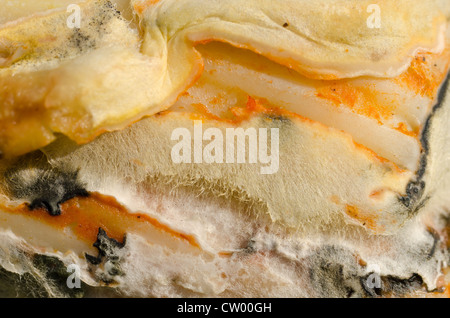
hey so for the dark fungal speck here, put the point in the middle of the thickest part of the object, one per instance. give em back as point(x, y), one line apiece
point(330, 277)
point(415, 189)
point(86, 38)
point(108, 253)
point(436, 239)
point(285, 25)
point(277, 118)
point(375, 285)
point(398, 286)
point(250, 248)
point(81, 41)
point(44, 187)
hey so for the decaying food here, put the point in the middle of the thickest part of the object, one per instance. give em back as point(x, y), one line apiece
point(345, 195)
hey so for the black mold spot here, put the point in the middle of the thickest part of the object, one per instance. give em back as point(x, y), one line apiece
point(415, 189)
point(330, 277)
point(400, 286)
point(335, 273)
point(277, 118)
point(45, 187)
point(109, 253)
point(106, 248)
point(392, 286)
point(285, 25)
point(250, 248)
point(436, 239)
point(109, 5)
point(94, 260)
point(81, 40)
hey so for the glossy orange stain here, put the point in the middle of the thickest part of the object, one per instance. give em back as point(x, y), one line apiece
point(85, 215)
